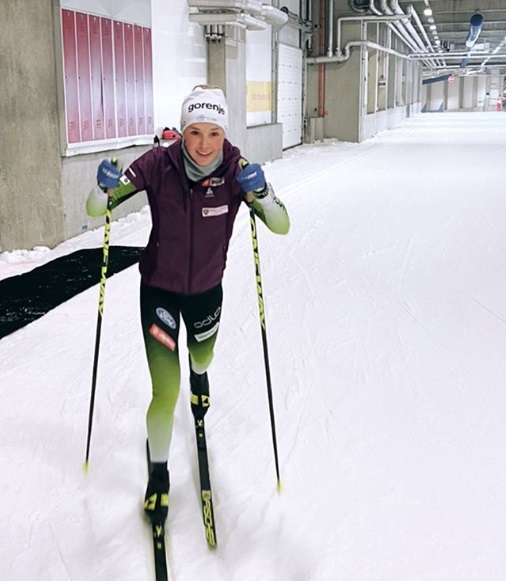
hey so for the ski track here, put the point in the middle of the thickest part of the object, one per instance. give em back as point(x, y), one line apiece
point(385, 315)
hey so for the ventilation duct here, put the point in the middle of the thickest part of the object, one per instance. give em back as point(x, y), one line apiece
point(305, 26)
point(250, 6)
point(436, 79)
point(475, 27)
point(277, 18)
point(237, 19)
point(248, 14)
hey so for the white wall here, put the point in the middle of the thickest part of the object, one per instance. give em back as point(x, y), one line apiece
point(138, 11)
point(453, 90)
point(179, 59)
point(465, 93)
point(259, 76)
point(288, 34)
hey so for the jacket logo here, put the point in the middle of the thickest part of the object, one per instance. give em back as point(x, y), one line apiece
point(209, 193)
point(209, 212)
point(213, 182)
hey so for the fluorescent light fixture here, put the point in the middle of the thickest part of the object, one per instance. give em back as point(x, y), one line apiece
point(432, 27)
point(427, 11)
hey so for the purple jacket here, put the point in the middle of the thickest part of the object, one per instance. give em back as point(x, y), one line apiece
point(191, 223)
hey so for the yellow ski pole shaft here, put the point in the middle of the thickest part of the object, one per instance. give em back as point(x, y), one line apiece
point(101, 299)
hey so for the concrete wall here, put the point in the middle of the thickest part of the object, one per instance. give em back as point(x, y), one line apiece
point(264, 142)
point(227, 69)
point(464, 93)
point(344, 91)
point(370, 91)
point(30, 209)
point(76, 183)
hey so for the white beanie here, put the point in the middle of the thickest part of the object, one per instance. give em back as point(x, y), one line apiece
point(205, 106)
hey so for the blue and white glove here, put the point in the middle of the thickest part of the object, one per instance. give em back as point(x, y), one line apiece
point(252, 178)
point(108, 175)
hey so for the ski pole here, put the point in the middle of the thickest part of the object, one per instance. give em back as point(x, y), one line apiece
point(261, 308)
point(101, 299)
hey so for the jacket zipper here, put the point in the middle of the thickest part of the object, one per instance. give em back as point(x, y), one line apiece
point(190, 265)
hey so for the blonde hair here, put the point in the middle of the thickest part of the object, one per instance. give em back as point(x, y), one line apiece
point(206, 87)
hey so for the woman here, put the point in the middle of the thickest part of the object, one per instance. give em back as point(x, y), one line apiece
point(194, 189)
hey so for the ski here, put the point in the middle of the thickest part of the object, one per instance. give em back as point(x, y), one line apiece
point(160, 556)
point(158, 530)
point(205, 484)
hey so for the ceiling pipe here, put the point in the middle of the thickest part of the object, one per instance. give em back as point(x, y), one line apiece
point(306, 26)
point(457, 56)
point(273, 16)
point(330, 25)
point(309, 18)
point(406, 36)
point(321, 68)
point(236, 19)
point(245, 9)
point(409, 30)
point(394, 5)
point(373, 19)
point(416, 18)
point(346, 52)
point(373, 9)
point(251, 6)
point(397, 28)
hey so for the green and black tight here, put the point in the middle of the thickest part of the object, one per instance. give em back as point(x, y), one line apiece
point(161, 314)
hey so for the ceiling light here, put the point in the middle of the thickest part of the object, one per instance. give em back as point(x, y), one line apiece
point(432, 27)
point(437, 41)
point(430, 20)
point(427, 11)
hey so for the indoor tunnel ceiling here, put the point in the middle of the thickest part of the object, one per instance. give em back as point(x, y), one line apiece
point(452, 22)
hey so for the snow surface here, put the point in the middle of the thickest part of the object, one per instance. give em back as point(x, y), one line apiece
point(386, 317)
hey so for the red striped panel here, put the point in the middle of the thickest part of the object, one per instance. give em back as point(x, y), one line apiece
point(130, 78)
point(97, 104)
point(139, 81)
point(84, 76)
point(70, 73)
point(148, 81)
point(108, 78)
point(119, 64)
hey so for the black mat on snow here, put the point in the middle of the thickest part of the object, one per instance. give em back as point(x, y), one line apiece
point(27, 297)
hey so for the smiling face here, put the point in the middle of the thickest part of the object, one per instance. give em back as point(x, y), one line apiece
point(204, 142)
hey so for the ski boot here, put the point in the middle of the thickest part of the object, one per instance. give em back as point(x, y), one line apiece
point(156, 501)
point(200, 402)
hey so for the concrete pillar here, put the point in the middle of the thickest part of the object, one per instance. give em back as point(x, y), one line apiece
point(30, 164)
point(344, 97)
point(371, 92)
point(227, 69)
